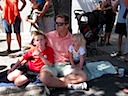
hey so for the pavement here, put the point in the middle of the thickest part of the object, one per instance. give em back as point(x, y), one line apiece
point(107, 85)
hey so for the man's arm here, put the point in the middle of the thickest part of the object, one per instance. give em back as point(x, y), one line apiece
point(115, 6)
point(125, 3)
point(45, 8)
point(24, 4)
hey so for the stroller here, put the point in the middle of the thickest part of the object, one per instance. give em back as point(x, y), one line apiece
point(91, 26)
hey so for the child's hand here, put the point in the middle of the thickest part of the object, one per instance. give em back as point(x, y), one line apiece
point(73, 65)
point(26, 18)
point(37, 53)
point(78, 67)
point(39, 13)
point(10, 71)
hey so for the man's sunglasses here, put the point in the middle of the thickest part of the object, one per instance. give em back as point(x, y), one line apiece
point(60, 23)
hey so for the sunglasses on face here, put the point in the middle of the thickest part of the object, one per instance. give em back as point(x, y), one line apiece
point(60, 23)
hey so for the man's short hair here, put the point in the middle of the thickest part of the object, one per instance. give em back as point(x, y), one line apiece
point(63, 15)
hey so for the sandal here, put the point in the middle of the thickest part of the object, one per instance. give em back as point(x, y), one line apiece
point(8, 51)
point(108, 44)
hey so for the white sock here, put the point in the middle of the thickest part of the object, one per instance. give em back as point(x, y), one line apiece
point(69, 86)
point(78, 86)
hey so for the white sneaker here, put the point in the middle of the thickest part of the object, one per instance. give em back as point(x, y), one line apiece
point(46, 90)
point(80, 86)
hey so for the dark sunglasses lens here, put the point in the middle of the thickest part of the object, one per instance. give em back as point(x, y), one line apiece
point(59, 24)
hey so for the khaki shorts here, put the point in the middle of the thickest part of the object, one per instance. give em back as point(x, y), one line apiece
point(59, 69)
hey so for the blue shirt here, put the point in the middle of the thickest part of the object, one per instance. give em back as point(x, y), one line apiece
point(121, 13)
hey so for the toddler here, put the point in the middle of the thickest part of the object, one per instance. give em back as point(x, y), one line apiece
point(77, 51)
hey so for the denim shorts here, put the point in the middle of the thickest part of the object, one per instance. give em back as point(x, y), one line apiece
point(76, 62)
point(61, 69)
point(16, 26)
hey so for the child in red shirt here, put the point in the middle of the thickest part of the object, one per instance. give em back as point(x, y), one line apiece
point(28, 66)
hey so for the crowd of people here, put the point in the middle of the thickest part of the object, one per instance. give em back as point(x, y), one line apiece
point(57, 55)
point(110, 9)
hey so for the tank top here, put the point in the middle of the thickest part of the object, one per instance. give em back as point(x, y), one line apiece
point(10, 10)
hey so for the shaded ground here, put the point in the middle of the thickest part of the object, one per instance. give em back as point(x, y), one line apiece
point(107, 85)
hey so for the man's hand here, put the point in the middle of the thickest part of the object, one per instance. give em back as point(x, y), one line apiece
point(26, 19)
point(39, 13)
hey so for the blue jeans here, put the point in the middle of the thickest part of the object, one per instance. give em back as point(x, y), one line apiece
point(76, 62)
point(16, 26)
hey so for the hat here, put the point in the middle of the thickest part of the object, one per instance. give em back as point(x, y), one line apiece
point(39, 1)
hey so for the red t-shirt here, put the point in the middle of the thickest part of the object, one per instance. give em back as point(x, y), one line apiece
point(34, 62)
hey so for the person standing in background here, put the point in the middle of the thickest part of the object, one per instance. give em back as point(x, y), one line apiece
point(32, 18)
point(126, 43)
point(11, 17)
point(99, 5)
point(46, 17)
point(121, 25)
point(107, 8)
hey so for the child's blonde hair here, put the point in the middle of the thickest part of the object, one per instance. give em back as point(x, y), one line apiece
point(80, 38)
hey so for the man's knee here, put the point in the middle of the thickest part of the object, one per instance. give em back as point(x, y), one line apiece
point(44, 77)
point(80, 74)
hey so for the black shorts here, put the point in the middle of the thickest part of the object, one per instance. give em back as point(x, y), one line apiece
point(121, 29)
point(109, 24)
point(16, 25)
point(109, 27)
point(30, 74)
